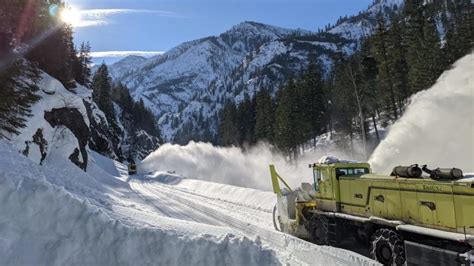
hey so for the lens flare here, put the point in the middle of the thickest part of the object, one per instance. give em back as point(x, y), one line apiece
point(53, 10)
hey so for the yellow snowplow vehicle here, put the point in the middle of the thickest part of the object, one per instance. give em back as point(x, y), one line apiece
point(132, 168)
point(401, 217)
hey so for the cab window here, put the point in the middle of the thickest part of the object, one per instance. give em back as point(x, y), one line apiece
point(316, 177)
point(351, 171)
point(325, 174)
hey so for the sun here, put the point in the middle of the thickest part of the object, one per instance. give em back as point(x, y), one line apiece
point(71, 16)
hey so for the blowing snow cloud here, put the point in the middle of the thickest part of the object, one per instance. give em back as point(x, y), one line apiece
point(438, 126)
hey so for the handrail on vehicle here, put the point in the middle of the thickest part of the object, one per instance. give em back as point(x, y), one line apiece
point(276, 185)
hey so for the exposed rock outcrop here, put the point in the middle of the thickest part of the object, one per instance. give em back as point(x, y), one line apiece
point(73, 120)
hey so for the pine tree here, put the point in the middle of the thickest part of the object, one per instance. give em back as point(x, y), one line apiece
point(101, 86)
point(288, 133)
point(385, 75)
point(14, 28)
point(424, 54)
point(18, 93)
point(434, 57)
point(121, 95)
point(82, 71)
point(54, 48)
point(229, 133)
point(246, 120)
point(459, 27)
point(265, 109)
point(369, 88)
point(313, 103)
point(343, 100)
point(397, 60)
point(282, 121)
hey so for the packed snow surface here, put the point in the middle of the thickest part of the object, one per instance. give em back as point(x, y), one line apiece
point(56, 214)
point(437, 128)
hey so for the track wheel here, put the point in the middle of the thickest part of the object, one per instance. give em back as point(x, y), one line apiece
point(320, 230)
point(387, 248)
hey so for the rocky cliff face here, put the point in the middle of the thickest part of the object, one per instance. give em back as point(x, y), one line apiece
point(67, 123)
point(59, 125)
point(71, 119)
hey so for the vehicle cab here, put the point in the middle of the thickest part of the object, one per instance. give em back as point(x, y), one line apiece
point(328, 173)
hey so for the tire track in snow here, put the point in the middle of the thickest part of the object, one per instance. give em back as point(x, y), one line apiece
point(294, 250)
point(170, 208)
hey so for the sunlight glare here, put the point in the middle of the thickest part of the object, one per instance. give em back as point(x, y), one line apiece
point(71, 16)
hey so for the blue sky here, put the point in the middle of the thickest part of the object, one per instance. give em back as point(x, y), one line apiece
point(157, 25)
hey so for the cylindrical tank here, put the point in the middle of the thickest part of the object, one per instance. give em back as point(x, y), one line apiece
point(407, 171)
point(447, 173)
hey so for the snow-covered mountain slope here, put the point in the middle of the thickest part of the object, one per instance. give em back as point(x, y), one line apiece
point(187, 86)
point(362, 25)
point(126, 65)
point(57, 214)
point(168, 80)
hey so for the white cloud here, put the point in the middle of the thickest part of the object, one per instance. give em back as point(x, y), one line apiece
point(125, 53)
point(114, 11)
point(90, 23)
point(98, 17)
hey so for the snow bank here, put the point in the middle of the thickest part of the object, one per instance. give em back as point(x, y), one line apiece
point(42, 224)
point(438, 126)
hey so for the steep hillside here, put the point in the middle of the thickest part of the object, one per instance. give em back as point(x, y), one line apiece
point(68, 123)
point(187, 86)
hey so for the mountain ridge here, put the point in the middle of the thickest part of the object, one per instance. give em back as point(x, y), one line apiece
point(187, 86)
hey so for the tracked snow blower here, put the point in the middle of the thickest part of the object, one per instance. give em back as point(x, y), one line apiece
point(132, 168)
point(402, 217)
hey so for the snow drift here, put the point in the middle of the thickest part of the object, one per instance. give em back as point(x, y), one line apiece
point(42, 224)
point(438, 126)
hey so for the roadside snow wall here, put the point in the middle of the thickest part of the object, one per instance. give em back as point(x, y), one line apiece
point(42, 224)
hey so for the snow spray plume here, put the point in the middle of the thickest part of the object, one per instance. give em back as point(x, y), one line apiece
point(438, 126)
point(231, 165)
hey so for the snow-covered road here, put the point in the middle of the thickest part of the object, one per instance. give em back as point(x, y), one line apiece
point(181, 201)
